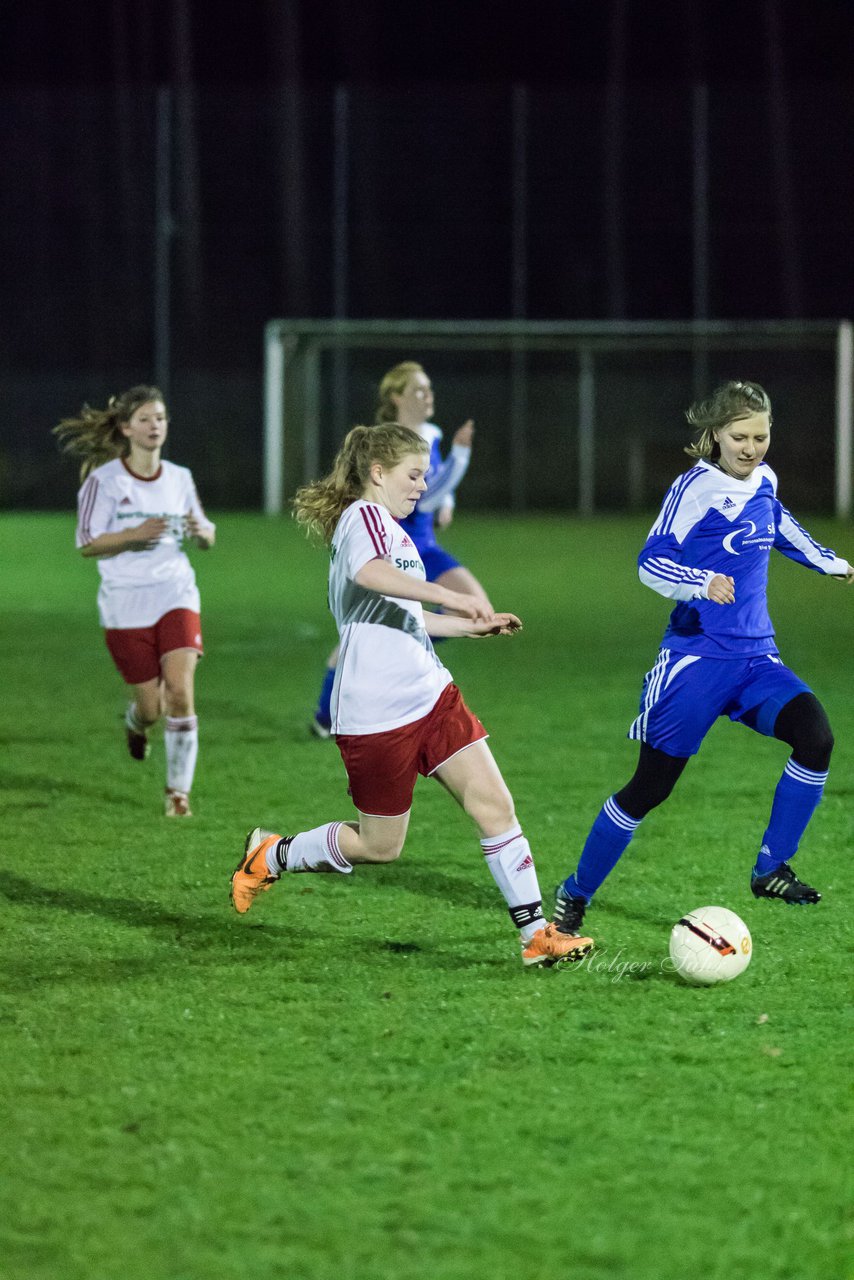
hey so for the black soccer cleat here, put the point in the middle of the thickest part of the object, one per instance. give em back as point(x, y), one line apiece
point(782, 883)
point(568, 912)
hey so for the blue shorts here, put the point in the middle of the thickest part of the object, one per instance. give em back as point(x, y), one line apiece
point(684, 694)
point(436, 560)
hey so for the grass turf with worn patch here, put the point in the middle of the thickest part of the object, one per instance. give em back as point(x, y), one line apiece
point(359, 1081)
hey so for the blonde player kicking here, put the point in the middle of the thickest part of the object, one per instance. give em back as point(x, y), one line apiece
point(395, 709)
point(134, 512)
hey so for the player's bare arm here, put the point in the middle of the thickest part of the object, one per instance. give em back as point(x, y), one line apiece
point(382, 577)
point(444, 625)
point(141, 538)
point(464, 434)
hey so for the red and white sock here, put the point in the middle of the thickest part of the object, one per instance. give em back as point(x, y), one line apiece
point(181, 737)
point(511, 863)
point(315, 850)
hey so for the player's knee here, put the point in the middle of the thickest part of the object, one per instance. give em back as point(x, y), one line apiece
point(814, 747)
point(389, 853)
point(383, 849)
point(492, 812)
point(645, 792)
point(803, 723)
point(177, 698)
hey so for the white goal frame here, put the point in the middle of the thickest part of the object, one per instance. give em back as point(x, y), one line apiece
point(286, 341)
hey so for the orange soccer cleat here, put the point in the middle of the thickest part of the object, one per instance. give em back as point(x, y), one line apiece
point(550, 947)
point(251, 876)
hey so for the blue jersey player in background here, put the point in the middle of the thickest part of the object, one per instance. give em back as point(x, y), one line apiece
point(406, 397)
point(708, 551)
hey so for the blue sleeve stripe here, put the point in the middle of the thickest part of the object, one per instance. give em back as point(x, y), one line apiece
point(674, 497)
point(669, 571)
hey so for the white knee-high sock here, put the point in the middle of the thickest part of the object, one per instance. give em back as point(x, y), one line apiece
point(511, 862)
point(315, 850)
point(181, 737)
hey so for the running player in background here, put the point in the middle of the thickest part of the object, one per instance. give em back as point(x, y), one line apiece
point(395, 709)
point(134, 512)
point(708, 550)
point(406, 396)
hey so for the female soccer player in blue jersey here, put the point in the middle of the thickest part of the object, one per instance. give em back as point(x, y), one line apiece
point(406, 396)
point(708, 550)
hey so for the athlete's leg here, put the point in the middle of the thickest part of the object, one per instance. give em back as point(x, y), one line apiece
point(335, 846)
point(181, 735)
point(140, 715)
point(178, 670)
point(803, 724)
point(622, 813)
point(474, 780)
point(145, 708)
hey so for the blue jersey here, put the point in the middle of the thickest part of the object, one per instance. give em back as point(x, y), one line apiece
point(443, 476)
point(711, 523)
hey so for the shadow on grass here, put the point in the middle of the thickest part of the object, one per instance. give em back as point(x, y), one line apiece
point(624, 912)
point(204, 939)
point(476, 890)
point(196, 933)
point(45, 785)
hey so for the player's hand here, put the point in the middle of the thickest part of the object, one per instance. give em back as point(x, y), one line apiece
point(475, 608)
point(464, 434)
point(146, 535)
point(721, 589)
point(199, 532)
point(501, 624)
point(445, 515)
point(847, 577)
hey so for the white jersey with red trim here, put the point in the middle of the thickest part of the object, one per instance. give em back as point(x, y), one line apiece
point(139, 587)
point(388, 674)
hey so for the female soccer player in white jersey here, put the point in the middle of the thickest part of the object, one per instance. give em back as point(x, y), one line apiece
point(708, 550)
point(395, 709)
point(135, 510)
point(406, 397)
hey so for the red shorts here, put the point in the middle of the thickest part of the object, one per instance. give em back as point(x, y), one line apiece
point(383, 767)
point(137, 650)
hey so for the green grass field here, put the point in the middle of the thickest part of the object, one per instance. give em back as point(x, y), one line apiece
point(358, 1081)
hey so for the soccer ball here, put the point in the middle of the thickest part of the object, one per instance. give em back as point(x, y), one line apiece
point(710, 945)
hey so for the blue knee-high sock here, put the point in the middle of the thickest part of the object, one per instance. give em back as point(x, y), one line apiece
point(795, 801)
point(323, 713)
point(609, 836)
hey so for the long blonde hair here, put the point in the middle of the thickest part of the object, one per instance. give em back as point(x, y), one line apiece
point(95, 434)
point(319, 506)
point(730, 401)
point(394, 384)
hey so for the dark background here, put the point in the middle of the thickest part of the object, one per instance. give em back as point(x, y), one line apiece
point(600, 223)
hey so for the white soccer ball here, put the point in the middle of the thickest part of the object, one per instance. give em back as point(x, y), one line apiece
point(710, 945)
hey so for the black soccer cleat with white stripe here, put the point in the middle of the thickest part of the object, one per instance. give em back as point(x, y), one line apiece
point(782, 883)
point(568, 912)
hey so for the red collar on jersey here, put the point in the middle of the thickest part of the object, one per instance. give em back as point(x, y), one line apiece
point(146, 479)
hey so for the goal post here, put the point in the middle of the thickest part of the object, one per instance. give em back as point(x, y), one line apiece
point(574, 391)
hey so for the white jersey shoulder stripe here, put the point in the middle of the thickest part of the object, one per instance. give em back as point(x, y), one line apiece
point(376, 531)
point(88, 495)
